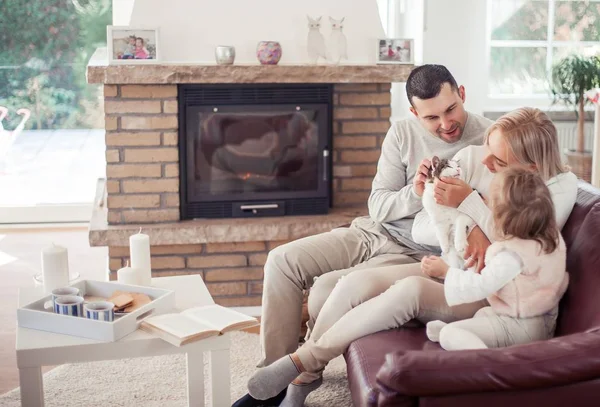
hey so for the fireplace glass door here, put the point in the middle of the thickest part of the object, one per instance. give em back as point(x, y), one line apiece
point(255, 151)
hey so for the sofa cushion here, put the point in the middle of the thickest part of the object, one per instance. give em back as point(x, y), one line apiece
point(366, 355)
point(579, 307)
point(587, 197)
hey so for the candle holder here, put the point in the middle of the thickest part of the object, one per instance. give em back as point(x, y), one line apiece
point(268, 52)
point(225, 55)
point(73, 275)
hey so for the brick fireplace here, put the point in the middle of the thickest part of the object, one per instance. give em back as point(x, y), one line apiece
point(142, 175)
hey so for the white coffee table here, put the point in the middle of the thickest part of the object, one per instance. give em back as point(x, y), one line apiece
point(38, 348)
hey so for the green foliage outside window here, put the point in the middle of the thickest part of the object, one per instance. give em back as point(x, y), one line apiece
point(45, 46)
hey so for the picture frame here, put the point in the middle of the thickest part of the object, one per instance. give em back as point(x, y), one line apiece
point(395, 51)
point(132, 45)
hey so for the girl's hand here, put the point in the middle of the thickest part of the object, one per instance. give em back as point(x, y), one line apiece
point(434, 266)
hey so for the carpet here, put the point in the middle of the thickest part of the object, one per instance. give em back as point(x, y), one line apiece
point(161, 381)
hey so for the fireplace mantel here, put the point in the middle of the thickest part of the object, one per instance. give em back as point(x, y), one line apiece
point(98, 71)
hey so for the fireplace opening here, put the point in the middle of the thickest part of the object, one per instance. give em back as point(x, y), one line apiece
point(255, 150)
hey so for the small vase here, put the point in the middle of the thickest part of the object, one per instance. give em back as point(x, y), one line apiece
point(225, 55)
point(268, 52)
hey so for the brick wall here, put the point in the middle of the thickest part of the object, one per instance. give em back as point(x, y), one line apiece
point(233, 272)
point(143, 179)
point(143, 161)
point(361, 118)
point(142, 158)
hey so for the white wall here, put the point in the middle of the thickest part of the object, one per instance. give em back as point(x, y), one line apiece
point(455, 36)
point(190, 29)
point(406, 20)
point(121, 11)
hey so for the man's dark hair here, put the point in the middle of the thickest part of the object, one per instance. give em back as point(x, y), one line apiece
point(426, 81)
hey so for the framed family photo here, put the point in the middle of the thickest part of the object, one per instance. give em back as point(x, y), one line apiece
point(130, 45)
point(395, 51)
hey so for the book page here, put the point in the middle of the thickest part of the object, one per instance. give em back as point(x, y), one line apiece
point(179, 325)
point(219, 317)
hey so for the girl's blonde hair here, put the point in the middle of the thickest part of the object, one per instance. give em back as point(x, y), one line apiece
point(523, 208)
point(532, 138)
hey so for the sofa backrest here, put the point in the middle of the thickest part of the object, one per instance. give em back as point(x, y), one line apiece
point(580, 307)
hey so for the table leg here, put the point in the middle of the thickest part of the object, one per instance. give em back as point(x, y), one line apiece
point(32, 387)
point(195, 378)
point(220, 379)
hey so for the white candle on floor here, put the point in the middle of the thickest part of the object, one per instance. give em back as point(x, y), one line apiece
point(55, 267)
point(139, 251)
point(128, 275)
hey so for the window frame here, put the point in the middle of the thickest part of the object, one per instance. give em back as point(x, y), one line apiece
point(502, 101)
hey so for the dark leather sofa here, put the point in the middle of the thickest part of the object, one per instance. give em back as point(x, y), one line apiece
point(400, 367)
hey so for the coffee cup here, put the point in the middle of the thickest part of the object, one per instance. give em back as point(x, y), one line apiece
point(62, 291)
point(71, 305)
point(100, 311)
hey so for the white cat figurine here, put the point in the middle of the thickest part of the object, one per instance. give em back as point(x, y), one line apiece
point(337, 41)
point(315, 41)
point(451, 226)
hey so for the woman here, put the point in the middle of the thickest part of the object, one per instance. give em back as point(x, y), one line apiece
point(368, 301)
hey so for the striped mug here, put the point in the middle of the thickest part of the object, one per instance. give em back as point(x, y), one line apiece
point(69, 305)
point(100, 311)
point(62, 291)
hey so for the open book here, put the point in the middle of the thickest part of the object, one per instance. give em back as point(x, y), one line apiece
point(196, 323)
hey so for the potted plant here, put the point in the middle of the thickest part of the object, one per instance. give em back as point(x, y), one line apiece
point(571, 78)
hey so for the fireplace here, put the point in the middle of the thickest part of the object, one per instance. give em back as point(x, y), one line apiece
point(145, 146)
point(251, 150)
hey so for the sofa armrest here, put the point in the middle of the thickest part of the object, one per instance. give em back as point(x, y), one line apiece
point(554, 362)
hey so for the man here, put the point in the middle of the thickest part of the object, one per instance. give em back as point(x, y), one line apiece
point(442, 127)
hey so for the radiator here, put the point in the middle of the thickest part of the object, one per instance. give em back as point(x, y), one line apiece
point(567, 135)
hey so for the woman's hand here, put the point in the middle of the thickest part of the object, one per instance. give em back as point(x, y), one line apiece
point(477, 244)
point(434, 266)
point(451, 191)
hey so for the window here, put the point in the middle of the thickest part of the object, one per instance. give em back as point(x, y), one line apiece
point(51, 120)
point(526, 37)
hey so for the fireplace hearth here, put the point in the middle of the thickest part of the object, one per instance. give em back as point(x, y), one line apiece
point(251, 150)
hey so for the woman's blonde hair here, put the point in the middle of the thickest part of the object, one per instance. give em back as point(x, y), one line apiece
point(523, 208)
point(532, 138)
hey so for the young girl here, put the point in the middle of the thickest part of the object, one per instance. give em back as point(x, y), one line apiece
point(140, 50)
point(524, 277)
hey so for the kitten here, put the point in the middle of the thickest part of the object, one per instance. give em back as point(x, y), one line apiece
point(451, 225)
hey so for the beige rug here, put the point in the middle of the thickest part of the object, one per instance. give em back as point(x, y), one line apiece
point(161, 381)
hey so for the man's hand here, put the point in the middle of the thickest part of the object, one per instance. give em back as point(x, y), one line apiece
point(421, 177)
point(477, 245)
point(434, 266)
point(451, 191)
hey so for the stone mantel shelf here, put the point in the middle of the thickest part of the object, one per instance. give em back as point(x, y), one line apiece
point(98, 71)
point(213, 230)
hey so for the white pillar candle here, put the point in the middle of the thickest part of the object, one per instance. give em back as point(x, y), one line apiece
point(139, 251)
point(596, 147)
point(55, 267)
point(128, 275)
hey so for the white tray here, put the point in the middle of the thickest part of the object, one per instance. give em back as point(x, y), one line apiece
point(34, 315)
